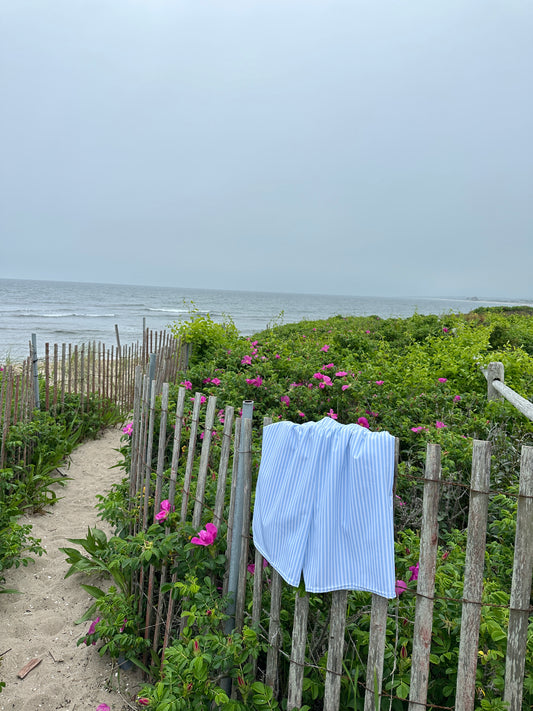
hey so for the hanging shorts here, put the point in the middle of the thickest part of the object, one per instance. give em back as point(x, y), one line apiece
point(324, 506)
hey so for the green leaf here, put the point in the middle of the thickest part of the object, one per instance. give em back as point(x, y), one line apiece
point(93, 590)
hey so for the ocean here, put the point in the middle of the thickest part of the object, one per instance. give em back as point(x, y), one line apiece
point(72, 312)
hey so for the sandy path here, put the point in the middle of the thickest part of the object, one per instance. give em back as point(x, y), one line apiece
point(40, 622)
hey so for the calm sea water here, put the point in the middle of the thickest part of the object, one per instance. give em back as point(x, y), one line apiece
point(70, 312)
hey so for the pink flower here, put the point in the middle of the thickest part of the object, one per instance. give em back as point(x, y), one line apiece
point(92, 628)
point(367, 331)
point(414, 572)
point(301, 414)
point(329, 365)
point(128, 429)
point(418, 429)
point(277, 355)
point(215, 381)
point(400, 502)
point(341, 373)
point(164, 510)
point(123, 625)
point(206, 537)
point(103, 707)
point(187, 384)
point(443, 380)
point(444, 329)
point(457, 398)
point(325, 348)
point(363, 422)
point(285, 399)
point(246, 360)
point(400, 587)
point(332, 414)
point(445, 555)
point(379, 382)
point(345, 387)
point(143, 701)
point(318, 376)
point(256, 382)
point(251, 568)
point(439, 425)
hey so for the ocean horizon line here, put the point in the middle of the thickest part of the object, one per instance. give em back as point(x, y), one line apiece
point(410, 297)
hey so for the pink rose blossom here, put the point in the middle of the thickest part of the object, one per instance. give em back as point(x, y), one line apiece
point(363, 422)
point(332, 414)
point(325, 348)
point(414, 572)
point(206, 537)
point(187, 384)
point(341, 374)
point(439, 425)
point(443, 380)
point(164, 510)
point(400, 587)
point(379, 382)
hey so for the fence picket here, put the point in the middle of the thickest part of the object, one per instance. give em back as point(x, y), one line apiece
point(426, 581)
point(299, 642)
point(225, 452)
point(376, 649)
point(204, 462)
point(520, 587)
point(337, 624)
point(473, 580)
point(190, 455)
point(274, 632)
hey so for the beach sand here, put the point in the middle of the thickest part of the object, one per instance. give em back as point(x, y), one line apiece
point(40, 622)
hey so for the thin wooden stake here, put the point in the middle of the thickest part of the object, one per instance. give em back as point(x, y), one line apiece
point(429, 535)
point(520, 587)
point(299, 641)
point(473, 580)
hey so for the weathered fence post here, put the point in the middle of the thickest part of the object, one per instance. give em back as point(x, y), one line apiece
point(473, 580)
point(429, 535)
point(299, 640)
point(245, 445)
point(337, 625)
point(495, 371)
point(376, 649)
point(520, 587)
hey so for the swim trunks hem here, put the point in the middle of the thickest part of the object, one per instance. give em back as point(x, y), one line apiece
point(333, 588)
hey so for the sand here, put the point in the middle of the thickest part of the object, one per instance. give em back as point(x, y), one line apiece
point(40, 622)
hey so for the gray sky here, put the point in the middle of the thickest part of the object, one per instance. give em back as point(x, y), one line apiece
point(381, 147)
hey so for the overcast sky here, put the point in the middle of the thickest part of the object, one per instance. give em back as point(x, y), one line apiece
point(376, 147)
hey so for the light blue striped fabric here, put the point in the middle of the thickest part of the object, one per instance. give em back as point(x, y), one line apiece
point(324, 506)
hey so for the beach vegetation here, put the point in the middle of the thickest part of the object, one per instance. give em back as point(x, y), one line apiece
point(418, 378)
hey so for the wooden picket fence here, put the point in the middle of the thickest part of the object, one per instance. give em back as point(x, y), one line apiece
point(90, 370)
point(234, 477)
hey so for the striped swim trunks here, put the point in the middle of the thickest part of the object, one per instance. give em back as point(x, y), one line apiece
point(324, 506)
